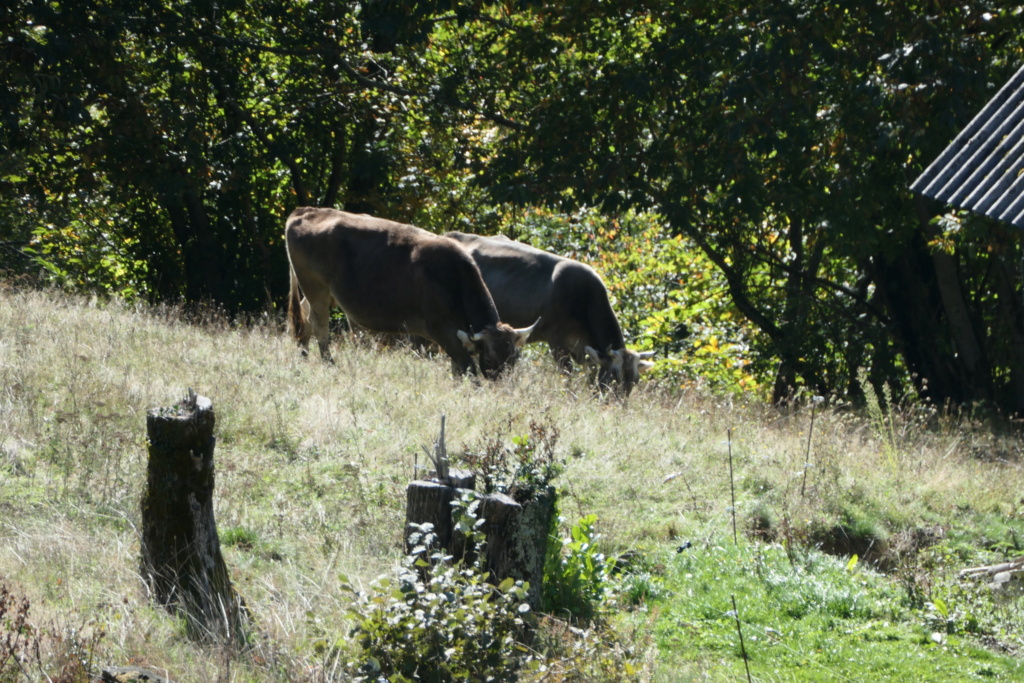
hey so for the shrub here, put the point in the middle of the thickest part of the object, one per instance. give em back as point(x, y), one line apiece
point(576, 574)
point(60, 655)
point(438, 620)
point(522, 469)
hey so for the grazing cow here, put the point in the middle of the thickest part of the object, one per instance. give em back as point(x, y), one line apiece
point(576, 319)
point(393, 278)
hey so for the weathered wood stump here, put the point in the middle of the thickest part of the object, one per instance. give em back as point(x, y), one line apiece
point(181, 558)
point(516, 533)
point(518, 542)
point(431, 501)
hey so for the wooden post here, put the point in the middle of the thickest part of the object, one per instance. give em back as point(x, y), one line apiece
point(181, 558)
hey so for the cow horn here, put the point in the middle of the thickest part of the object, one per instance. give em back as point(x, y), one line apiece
point(524, 333)
point(467, 341)
point(644, 355)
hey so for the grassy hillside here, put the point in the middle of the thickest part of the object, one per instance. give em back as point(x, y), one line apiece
point(313, 460)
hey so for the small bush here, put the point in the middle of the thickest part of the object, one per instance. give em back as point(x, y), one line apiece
point(29, 653)
point(597, 654)
point(522, 469)
point(576, 574)
point(438, 620)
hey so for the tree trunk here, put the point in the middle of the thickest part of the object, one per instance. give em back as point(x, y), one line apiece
point(906, 285)
point(428, 502)
point(1011, 310)
point(181, 558)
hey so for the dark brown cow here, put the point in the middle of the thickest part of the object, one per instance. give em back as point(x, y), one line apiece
point(393, 278)
point(576, 318)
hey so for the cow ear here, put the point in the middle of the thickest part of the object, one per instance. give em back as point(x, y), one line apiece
point(645, 365)
point(466, 341)
point(593, 357)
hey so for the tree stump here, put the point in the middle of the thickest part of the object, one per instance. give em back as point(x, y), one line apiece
point(517, 537)
point(516, 532)
point(431, 501)
point(181, 558)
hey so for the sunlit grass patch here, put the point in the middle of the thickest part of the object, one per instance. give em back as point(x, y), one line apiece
point(312, 462)
point(804, 616)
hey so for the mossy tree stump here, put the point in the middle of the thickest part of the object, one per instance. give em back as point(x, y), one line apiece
point(181, 558)
point(517, 530)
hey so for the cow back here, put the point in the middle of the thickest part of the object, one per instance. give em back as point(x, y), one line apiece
point(390, 277)
point(528, 283)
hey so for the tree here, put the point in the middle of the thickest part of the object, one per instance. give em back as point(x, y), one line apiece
point(781, 138)
point(177, 136)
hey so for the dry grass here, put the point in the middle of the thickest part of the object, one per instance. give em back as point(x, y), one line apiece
point(313, 460)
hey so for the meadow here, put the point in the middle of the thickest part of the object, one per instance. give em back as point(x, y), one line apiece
point(312, 463)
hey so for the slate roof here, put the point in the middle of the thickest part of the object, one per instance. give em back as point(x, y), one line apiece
point(983, 168)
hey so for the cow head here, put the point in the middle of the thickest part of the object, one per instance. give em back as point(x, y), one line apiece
point(621, 366)
point(496, 347)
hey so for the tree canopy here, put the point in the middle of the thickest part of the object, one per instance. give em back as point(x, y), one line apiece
point(154, 148)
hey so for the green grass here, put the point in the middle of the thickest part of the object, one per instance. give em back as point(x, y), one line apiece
point(810, 617)
point(312, 462)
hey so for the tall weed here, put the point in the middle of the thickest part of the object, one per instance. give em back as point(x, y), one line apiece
point(883, 421)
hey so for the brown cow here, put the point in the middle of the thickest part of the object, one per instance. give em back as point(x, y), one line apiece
point(393, 278)
point(576, 318)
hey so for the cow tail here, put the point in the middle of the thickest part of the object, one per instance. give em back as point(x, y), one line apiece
point(295, 306)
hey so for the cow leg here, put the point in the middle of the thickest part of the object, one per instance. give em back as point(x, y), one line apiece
point(305, 329)
point(319, 321)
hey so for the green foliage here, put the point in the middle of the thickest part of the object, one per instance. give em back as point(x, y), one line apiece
point(816, 619)
point(438, 621)
point(880, 410)
point(639, 588)
point(664, 290)
point(521, 469)
point(85, 256)
point(240, 537)
point(780, 139)
point(576, 573)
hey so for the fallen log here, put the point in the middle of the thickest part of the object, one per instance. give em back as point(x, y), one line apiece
point(1002, 577)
